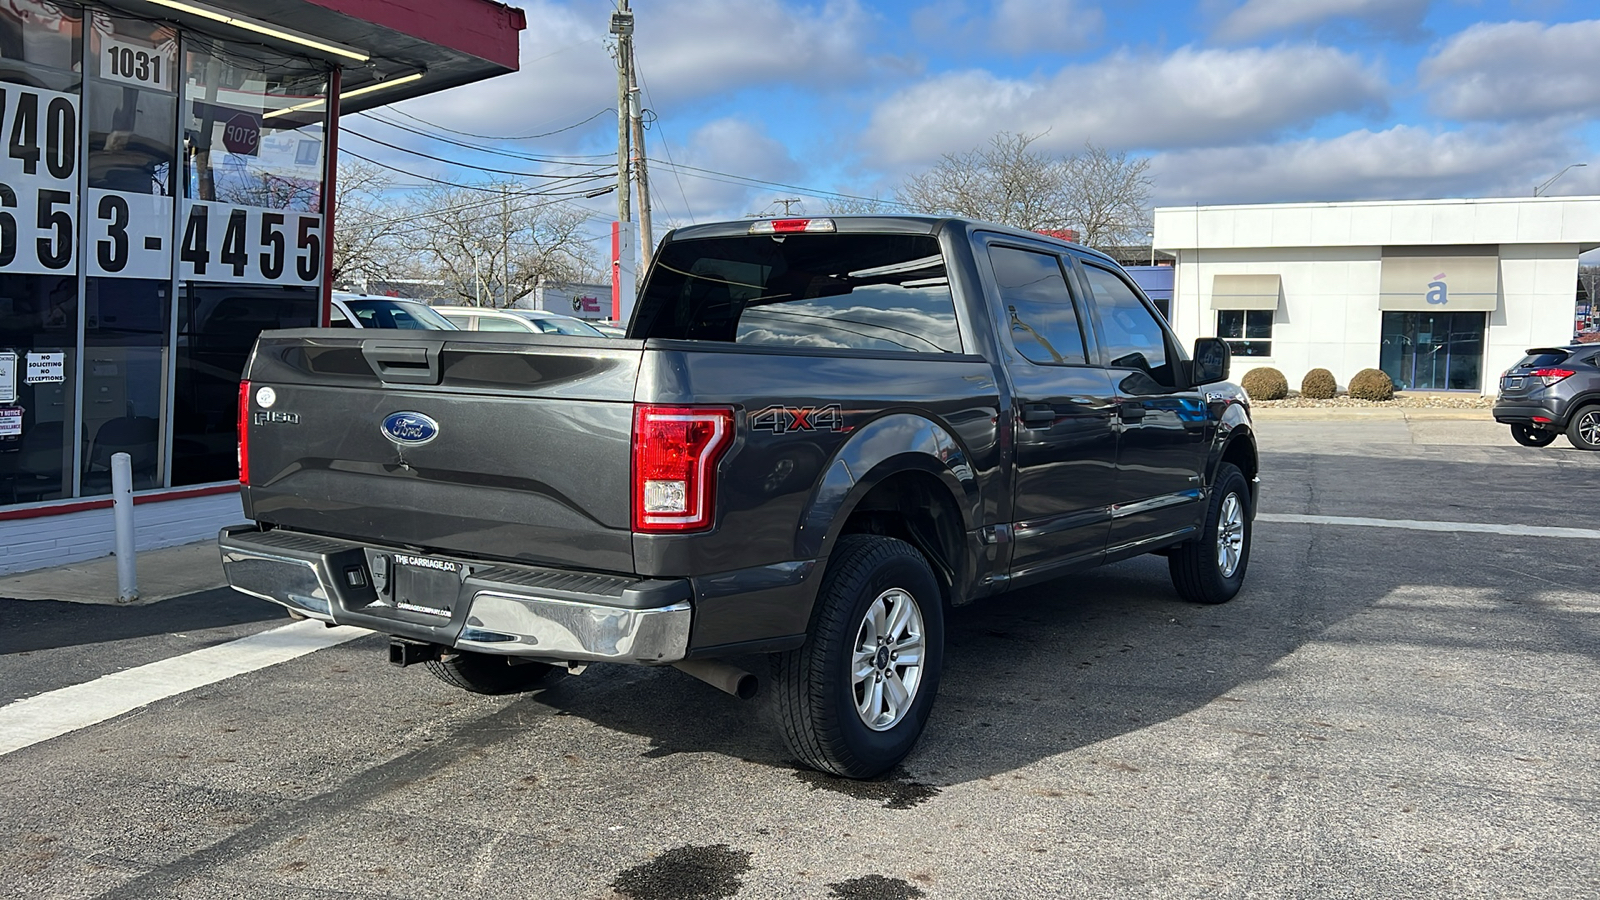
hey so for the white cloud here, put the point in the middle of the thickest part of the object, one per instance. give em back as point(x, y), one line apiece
point(1515, 70)
point(1190, 98)
point(686, 51)
point(1012, 26)
point(705, 46)
point(731, 146)
point(1402, 162)
point(1255, 18)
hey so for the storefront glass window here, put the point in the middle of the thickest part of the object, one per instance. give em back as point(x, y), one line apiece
point(250, 249)
point(217, 326)
point(1433, 351)
point(39, 84)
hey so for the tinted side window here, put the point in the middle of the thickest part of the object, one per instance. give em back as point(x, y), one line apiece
point(1132, 337)
point(883, 292)
point(1043, 323)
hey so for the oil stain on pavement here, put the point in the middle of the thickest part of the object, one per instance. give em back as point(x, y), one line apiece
point(895, 790)
point(686, 873)
point(874, 887)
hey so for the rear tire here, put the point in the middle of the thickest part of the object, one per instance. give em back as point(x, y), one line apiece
point(1584, 428)
point(484, 673)
point(853, 700)
point(1211, 567)
point(1528, 436)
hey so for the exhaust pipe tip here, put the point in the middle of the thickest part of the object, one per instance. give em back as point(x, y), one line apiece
point(728, 679)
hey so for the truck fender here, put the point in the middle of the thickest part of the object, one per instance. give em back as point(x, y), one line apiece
point(1235, 443)
point(881, 448)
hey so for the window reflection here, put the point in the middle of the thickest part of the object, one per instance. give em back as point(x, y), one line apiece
point(39, 44)
point(1044, 325)
point(253, 126)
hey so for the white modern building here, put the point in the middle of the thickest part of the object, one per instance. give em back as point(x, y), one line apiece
point(1441, 294)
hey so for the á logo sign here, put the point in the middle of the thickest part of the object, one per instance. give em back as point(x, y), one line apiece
point(784, 419)
point(1438, 291)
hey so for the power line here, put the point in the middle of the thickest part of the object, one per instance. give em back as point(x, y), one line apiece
point(553, 158)
point(492, 137)
point(466, 187)
point(451, 162)
point(713, 175)
point(687, 209)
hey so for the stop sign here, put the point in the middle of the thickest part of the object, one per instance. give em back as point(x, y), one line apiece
point(242, 135)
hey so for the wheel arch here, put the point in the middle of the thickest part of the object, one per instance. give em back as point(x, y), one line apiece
point(903, 476)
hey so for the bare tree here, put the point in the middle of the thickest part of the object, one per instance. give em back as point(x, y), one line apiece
point(1109, 197)
point(1099, 194)
point(364, 225)
point(493, 246)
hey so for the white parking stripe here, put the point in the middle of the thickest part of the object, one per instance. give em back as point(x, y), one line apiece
point(1587, 534)
point(28, 721)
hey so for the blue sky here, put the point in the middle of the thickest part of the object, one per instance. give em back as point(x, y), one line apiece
point(1234, 101)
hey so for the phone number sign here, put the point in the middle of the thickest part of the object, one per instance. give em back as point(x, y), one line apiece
point(251, 245)
point(38, 181)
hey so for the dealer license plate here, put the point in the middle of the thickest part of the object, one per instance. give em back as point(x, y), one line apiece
point(425, 585)
point(1513, 382)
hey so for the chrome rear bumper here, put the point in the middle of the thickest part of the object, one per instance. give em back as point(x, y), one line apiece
point(499, 608)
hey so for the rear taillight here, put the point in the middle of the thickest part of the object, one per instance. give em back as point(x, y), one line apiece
point(675, 455)
point(244, 432)
point(1551, 376)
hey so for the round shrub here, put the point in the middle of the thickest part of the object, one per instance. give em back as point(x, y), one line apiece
point(1371, 384)
point(1265, 383)
point(1318, 385)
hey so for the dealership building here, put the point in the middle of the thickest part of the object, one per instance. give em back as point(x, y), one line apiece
point(1443, 295)
point(166, 169)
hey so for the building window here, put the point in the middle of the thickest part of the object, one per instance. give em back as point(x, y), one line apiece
point(1247, 331)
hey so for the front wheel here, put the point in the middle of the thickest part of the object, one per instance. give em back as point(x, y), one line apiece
point(1210, 568)
point(1584, 429)
point(1529, 436)
point(853, 700)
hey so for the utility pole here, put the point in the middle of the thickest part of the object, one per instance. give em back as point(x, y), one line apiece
point(622, 27)
point(787, 203)
point(641, 171)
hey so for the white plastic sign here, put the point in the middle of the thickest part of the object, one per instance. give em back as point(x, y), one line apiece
point(8, 377)
point(46, 368)
point(38, 181)
point(130, 235)
point(249, 245)
point(137, 63)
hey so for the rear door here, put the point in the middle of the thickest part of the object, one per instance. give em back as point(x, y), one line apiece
point(1164, 428)
point(1062, 406)
point(507, 446)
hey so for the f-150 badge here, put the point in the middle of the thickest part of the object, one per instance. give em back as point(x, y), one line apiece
point(784, 419)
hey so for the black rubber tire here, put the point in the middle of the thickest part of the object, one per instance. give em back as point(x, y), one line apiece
point(485, 673)
point(1193, 564)
point(1575, 425)
point(812, 685)
point(1528, 436)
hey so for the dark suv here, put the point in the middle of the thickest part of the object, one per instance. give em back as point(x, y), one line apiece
point(1553, 389)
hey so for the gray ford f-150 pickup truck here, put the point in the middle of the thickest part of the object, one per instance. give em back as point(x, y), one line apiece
point(818, 435)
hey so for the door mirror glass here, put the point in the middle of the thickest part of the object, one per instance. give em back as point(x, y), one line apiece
point(1211, 360)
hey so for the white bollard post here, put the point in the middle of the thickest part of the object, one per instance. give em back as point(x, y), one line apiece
point(122, 513)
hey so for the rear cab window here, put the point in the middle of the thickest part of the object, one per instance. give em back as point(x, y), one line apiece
point(1539, 359)
point(852, 291)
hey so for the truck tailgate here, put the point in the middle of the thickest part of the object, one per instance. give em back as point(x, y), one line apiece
point(511, 446)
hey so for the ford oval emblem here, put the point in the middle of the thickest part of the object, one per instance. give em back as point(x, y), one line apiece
point(410, 428)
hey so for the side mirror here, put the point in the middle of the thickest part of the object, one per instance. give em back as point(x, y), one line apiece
point(1211, 360)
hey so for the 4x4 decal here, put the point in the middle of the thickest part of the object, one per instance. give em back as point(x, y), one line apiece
point(784, 419)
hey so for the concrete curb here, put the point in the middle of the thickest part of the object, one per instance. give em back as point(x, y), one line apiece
point(1370, 413)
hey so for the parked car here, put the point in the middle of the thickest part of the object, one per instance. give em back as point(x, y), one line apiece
point(538, 321)
point(823, 434)
point(1550, 391)
point(358, 311)
point(608, 329)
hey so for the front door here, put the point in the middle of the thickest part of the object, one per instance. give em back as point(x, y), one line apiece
point(1164, 429)
point(1065, 448)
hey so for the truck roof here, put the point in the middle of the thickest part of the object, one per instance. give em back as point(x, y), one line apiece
point(904, 224)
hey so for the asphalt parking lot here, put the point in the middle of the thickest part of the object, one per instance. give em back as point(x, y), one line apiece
point(1383, 712)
